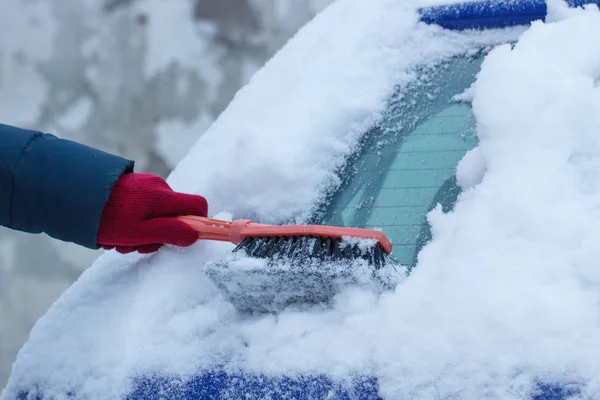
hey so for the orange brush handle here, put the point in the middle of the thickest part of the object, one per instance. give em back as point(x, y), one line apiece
point(237, 231)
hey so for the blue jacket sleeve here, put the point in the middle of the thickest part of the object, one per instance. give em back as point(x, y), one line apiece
point(55, 186)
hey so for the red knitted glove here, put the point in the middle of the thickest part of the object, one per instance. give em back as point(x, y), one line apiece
point(139, 215)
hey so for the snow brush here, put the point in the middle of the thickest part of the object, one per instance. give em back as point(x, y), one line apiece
point(273, 267)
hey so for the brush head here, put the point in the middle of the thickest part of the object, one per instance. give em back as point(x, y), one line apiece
point(268, 274)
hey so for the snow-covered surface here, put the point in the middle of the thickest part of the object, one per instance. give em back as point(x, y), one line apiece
point(274, 151)
point(505, 295)
point(131, 77)
point(283, 282)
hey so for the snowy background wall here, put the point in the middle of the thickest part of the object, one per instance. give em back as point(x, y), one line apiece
point(140, 78)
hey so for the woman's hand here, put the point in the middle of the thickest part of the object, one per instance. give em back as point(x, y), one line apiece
point(139, 215)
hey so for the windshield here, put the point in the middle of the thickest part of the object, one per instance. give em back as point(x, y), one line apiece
point(407, 163)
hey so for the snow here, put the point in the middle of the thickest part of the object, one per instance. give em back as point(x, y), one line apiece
point(280, 283)
point(70, 68)
point(79, 69)
point(471, 169)
point(505, 295)
point(363, 244)
point(297, 142)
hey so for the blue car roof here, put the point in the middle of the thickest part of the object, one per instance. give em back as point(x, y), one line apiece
point(490, 14)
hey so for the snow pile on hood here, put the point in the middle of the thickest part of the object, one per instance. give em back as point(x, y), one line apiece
point(506, 294)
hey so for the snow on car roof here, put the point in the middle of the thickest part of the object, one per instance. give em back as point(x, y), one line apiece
point(504, 296)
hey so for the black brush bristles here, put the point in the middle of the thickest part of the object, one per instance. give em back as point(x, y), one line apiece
point(301, 248)
point(269, 274)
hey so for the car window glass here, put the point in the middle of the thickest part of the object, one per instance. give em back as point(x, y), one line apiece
point(407, 164)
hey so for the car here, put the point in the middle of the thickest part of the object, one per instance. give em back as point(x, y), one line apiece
point(373, 149)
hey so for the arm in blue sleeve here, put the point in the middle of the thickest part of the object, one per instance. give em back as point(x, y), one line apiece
point(54, 185)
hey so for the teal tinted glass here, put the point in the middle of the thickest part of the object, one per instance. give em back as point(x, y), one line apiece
point(407, 164)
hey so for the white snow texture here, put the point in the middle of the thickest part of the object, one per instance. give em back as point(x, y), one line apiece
point(506, 293)
point(135, 78)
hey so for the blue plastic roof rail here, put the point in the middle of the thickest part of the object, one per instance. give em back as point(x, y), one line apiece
point(490, 14)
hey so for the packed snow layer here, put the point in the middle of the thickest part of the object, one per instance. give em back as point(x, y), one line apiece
point(273, 153)
point(505, 295)
point(130, 77)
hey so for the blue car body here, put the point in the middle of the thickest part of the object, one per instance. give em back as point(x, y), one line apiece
point(222, 383)
point(490, 14)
